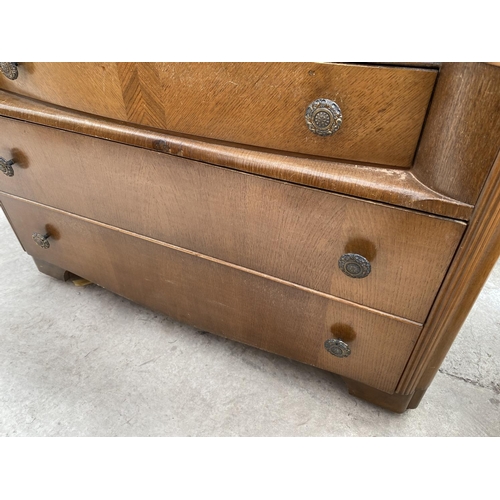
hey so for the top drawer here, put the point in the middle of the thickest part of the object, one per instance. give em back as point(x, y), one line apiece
point(258, 104)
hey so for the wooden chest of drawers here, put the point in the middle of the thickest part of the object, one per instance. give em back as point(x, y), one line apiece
point(305, 209)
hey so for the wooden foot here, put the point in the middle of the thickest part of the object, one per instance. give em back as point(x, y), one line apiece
point(417, 397)
point(51, 270)
point(393, 402)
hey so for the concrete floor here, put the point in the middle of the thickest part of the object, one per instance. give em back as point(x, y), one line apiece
point(84, 362)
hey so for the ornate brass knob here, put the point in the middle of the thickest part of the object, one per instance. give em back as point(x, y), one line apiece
point(6, 167)
point(9, 69)
point(323, 117)
point(354, 265)
point(42, 239)
point(338, 348)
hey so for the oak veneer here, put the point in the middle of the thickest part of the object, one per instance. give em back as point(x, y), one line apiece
point(395, 187)
point(259, 104)
point(253, 258)
point(224, 299)
point(283, 230)
point(462, 134)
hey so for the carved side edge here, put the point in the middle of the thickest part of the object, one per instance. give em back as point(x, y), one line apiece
point(461, 136)
point(474, 260)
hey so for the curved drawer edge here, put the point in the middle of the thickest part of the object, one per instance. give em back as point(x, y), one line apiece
point(386, 185)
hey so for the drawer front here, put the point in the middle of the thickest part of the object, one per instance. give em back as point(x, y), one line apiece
point(257, 104)
point(219, 298)
point(292, 232)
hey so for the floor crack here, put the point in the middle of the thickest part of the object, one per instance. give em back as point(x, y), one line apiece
point(494, 387)
point(151, 360)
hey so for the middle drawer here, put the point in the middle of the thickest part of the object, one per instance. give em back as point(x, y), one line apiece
point(292, 232)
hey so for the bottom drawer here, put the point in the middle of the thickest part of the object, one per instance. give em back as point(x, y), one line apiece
point(221, 298)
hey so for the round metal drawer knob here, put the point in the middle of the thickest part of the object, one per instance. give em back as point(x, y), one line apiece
point(338, 348)
point(9, 69)
point(6, 167)
point(354, 265)
point(42, 239)
point(323, 117)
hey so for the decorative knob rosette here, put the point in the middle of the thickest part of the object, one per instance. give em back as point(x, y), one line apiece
point(41, 240)
point(6, 167)
point(323, 117)
point(354, 265)
point(9, 70)
point(337, 348)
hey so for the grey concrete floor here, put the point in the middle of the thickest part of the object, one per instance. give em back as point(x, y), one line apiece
point(81, 361)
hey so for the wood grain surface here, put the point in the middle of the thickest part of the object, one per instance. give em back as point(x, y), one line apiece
point(395, 187)
point(249, 257)
point(221, 299)
point(283, 230)
point(476, 256)
point(259, 104)
point(461, 138)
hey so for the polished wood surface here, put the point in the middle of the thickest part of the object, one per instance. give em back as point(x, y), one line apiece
point(208, 232)
point(283, 230)
point(476, 256)
point(462, 134)
point(388, 185)
point(225, 300)
point(259, 104)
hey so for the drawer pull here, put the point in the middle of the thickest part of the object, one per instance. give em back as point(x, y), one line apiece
point(9, 69)
point(323, 117)
point(354, 265)
point(42, 239)
point(6, 167)
point(337, 348)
